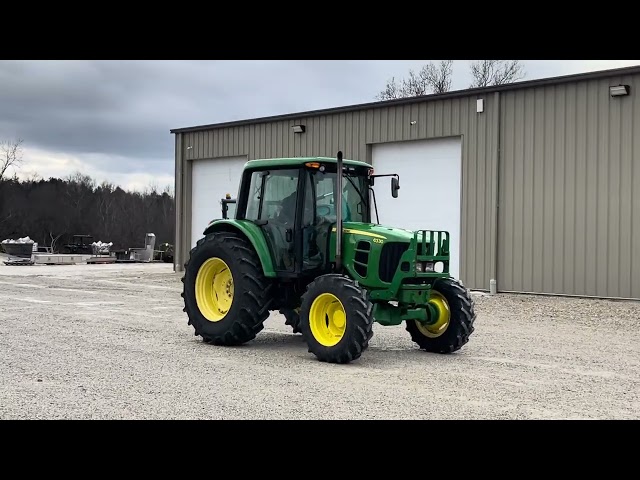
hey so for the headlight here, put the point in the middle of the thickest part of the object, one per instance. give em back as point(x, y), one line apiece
point(424, 267)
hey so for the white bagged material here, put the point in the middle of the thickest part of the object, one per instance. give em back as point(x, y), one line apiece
point(101, 247)
point(20, 240)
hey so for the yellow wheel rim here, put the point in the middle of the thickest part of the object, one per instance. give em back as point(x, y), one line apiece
point(327, 319)
point(440, 303)
point(214, 289)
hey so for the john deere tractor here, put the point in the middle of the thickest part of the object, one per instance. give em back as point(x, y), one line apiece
point(301, 241)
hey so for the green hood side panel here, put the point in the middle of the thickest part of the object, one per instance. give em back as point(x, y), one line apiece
point(376, 236)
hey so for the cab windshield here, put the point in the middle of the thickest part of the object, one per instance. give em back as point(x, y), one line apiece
point(321, 186)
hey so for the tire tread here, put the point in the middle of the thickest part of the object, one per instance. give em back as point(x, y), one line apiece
point(252, 291)
point(359, 311)
point(463, 317)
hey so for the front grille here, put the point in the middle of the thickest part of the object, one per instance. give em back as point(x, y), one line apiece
point(390, 258)
point(361, 260)
point(431, 249)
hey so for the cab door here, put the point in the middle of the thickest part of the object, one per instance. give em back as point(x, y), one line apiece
point(273, 204)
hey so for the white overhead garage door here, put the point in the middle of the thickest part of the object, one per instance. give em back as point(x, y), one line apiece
point(211, 180)
point(430, 187)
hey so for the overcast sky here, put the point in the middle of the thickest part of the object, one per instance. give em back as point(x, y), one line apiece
point(111, 119)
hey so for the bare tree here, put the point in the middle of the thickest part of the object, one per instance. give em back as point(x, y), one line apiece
point(429, 79)
point(168, 189)
point(6, 217)
point(82, 180)
point(151, 189)
point(34, 177)
point(438, 78)
point(80, 185)
point(391, 91)
point(53, 241)
point(10, 155)
point(495, 72)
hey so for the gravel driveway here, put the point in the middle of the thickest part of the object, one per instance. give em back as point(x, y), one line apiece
point(112, 342)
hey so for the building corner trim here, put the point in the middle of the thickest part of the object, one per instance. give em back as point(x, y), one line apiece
point(179, 206)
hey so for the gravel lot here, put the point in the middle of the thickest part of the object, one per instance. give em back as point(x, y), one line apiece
point(112, 342)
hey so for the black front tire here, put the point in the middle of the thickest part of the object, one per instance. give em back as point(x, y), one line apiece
point(462, 318)
point(358, 328)
point(251, 297)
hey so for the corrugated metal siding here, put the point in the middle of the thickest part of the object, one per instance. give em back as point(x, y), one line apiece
point(569, 216)
point(351, 132)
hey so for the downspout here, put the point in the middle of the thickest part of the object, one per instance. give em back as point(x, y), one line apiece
point(493, 282)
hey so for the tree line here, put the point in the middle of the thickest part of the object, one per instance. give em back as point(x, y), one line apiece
point(436, 78)
point(51, 211)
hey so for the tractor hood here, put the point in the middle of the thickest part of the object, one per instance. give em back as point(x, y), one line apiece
point(382, 232)
point(354, 232)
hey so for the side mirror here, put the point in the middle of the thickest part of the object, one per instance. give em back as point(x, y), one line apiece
point(395, 186)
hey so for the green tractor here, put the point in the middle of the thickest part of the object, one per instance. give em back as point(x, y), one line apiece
point(301, 241)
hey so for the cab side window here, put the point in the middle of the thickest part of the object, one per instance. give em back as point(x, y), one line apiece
point(272, 197)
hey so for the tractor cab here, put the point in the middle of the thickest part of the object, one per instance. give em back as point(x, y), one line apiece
point(294, 204)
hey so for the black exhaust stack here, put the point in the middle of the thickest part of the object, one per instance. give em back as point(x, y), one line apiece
point(338, 200)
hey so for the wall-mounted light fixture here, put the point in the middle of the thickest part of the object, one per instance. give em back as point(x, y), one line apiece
point(480, 105)
point(619, 90)
point(298, 129)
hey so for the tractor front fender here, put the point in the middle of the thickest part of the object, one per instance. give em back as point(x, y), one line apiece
point(253, 233)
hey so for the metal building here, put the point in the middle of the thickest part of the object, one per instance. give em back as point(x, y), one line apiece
point(539, 181)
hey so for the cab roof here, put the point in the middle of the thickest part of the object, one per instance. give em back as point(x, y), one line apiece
point(299, 161)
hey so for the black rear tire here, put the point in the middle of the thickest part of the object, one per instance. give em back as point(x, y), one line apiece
point(462, 318)
point(292, 318)
point(251, 290)
point(353, 302)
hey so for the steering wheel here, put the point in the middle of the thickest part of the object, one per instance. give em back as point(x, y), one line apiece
point(323, 210)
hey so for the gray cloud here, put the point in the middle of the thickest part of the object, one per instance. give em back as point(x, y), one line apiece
point(123, 110)
point(126, 108)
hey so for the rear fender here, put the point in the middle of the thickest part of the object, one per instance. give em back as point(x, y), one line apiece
point(251, 232)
